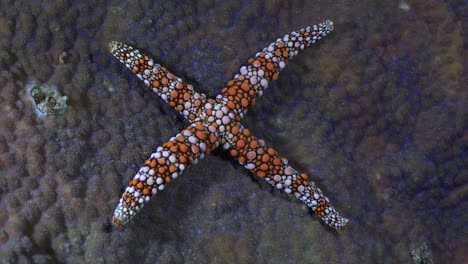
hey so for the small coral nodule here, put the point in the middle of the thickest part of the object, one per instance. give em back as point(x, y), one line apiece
point(46, 99)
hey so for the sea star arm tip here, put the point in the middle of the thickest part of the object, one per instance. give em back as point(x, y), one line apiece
point(266, 164)
point(162, 167)
point(169, 87)
point(113, 46)
point(240, 93)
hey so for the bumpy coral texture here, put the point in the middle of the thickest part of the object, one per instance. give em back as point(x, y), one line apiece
point(375, 113)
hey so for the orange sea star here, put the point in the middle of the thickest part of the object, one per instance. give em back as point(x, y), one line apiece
point(216, 122)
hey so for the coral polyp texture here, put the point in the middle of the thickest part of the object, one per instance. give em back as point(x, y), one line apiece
point(216, 122)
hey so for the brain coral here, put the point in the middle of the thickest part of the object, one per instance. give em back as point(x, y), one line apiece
point(376, 114)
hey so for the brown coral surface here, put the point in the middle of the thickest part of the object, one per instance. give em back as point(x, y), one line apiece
point(376, 113)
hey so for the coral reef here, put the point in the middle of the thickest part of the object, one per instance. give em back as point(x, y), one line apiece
point(377, 112)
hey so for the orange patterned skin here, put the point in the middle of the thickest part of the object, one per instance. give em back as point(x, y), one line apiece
point(217, 122)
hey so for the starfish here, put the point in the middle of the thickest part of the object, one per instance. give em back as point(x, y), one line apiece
point(217, 122)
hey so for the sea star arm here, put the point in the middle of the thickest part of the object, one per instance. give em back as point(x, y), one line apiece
point(163, 166)
point(266, 164)
point(253, 78)
point(170, 88)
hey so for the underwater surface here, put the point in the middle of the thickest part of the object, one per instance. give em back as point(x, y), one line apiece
point(376, 113)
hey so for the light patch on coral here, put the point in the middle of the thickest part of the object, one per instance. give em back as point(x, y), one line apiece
point(46, 99)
